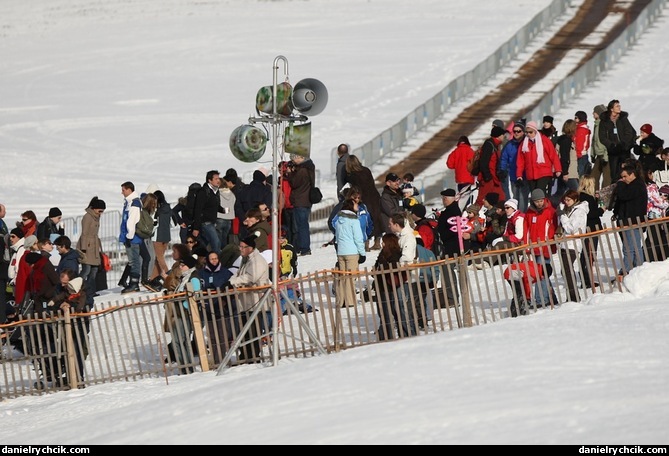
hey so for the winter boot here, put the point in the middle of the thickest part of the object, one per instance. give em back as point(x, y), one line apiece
point(377, 243)
point(132, 287)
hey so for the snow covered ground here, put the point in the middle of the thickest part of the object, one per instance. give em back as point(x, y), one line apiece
point(94, 94)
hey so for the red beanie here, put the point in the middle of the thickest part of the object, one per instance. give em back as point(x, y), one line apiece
point(647, 128)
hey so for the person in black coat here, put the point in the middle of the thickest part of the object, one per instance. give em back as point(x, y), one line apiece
point(629, 208)
point(255, 193)
point(649, 148)
point(451, 247)
point(617, 134)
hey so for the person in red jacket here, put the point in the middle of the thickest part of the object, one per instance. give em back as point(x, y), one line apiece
point(521, 276)
point(538, 160)
point(457, 161)
point(582, 143)
point(540, 225)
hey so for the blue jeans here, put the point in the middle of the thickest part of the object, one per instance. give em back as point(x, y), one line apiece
point(223, 228)
point(88, 274)
point(209, 233)
point(134, 261)
point(301, 224)
point(543, 287)
point(632, 249)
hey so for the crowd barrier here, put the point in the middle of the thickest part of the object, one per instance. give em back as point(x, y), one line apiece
point(126, 340)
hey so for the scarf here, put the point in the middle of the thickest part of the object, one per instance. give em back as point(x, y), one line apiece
point(539, 146)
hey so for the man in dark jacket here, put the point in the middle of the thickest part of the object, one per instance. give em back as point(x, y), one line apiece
point(630, 203)
point(301, 181)
point(207, 207)
point(451, 247)
point(617, 134)
point(391, 200)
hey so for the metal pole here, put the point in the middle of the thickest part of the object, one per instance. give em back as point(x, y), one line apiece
point(275, 209)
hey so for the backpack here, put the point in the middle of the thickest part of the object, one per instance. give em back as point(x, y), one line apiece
point(437, 244)
point(427, 275)
point(473, 164)
point(144, 228)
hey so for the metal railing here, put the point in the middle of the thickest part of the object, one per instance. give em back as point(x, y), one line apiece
point(393, 139)
point(125, 340)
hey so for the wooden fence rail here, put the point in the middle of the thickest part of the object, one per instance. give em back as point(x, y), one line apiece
point(127, 340)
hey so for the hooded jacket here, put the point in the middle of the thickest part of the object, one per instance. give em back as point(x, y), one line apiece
point(348, 234)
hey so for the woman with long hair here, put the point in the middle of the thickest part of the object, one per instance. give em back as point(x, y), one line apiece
point(361, 177)
point(587, 193)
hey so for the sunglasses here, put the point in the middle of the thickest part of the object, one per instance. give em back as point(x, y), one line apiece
point(508, 207)
point(530, 132)
point(190, 242)
point(517, 131)
point(24, 220)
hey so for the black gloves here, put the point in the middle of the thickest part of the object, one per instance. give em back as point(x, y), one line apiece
point(559, 211)
point(127, 243)
point(362, 259)
point(502, 174)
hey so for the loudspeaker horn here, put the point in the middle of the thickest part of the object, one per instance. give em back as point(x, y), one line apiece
point(247, 143)
point(284, 104)
point(310, 96)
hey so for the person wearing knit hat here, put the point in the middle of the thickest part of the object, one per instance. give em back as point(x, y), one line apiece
point(496, 132)
point(29, 241)
point(599, 109)
point(492, 198)
point(418, 210)
point(581, 116)
point(473, 208)
point(189, 261)
point(537, 161)
point(511, 203)
point(52, 226)
point(18, 232)
point(489, 153)
point(646, 128)
point(498, 123)
point(548, 128)
point(537, 194)
point(649, 148)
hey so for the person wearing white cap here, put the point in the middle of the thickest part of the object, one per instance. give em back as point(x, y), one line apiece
point(514, 233)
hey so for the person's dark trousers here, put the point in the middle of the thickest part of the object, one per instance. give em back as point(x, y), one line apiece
point(89, 275)
point(568, 257)
point(588, 255)
point(250, 351)
point(146, 261)
point(615, 165)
